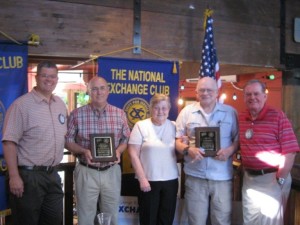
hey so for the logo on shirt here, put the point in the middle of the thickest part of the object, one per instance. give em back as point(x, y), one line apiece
point(136, 109)
point(2, 115)
point(61, 118)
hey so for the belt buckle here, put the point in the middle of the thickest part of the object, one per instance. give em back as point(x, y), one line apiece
point(49, 169)
point(104, 168)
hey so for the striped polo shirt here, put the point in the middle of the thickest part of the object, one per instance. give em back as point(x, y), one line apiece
point(265, 139)
point(38, 128)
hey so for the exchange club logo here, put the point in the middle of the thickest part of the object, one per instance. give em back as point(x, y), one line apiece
point(136, 109)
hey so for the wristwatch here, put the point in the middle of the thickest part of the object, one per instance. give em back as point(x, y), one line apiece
point(185, 151)
point(280, 180)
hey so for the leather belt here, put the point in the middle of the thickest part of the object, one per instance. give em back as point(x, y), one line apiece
point(47, 169)
point(95, 167)
point(261, 172)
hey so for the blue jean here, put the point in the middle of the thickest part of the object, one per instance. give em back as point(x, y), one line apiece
point(202, 194)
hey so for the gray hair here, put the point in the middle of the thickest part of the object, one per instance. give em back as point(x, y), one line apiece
point(156, 98)
point(255, 81)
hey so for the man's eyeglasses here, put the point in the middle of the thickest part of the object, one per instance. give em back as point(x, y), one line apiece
point(203, 90)
point(254, 94)
point(49, 76)
point(96, 89)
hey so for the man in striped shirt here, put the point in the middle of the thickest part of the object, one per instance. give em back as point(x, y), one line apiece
point(33, 144)
point(268, 148)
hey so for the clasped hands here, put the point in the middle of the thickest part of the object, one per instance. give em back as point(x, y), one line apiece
point(198, 154)
point(89, 159)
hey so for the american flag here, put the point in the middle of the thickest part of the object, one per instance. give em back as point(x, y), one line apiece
point(209, 64)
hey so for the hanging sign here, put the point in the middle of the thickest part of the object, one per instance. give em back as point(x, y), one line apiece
point(13, 83)
point(133, 82)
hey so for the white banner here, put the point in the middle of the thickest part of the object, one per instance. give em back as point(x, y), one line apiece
point(129, 212)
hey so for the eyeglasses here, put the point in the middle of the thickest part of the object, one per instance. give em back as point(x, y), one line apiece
point(254, 94)
point(48, 76)
point(203, 90)
point(96, 89)
point(164, 109)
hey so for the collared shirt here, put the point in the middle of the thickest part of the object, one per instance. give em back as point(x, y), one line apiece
point(38, 128)
point(269, 136)
point(223, 116)
point(87, 120)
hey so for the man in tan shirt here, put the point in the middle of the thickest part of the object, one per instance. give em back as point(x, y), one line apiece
point(33, 143)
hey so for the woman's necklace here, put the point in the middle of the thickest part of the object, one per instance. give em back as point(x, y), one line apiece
point(159, 130)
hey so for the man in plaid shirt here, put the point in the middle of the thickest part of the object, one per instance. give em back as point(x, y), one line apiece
point(97, 180)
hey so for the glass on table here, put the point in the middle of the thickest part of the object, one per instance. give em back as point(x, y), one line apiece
point(104, 218)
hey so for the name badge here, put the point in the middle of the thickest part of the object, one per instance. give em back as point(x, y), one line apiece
point(249, 134)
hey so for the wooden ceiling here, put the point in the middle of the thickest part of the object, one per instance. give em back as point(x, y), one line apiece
point(248, 39)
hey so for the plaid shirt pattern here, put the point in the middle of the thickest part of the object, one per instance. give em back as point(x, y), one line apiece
point(87, 120)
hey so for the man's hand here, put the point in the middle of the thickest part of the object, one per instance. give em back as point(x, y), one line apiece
point(88, 157)
point(16, 186)
point(196, 154)
point(222, 155)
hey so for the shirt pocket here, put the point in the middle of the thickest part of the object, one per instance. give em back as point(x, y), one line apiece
point(225, 129)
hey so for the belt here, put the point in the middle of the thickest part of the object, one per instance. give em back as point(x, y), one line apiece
point(48, 169)
point(96, 167)
point(261, 172)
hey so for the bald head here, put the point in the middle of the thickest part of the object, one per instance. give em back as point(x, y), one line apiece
point(96, 80)
point(208, 82)
point(207, 93)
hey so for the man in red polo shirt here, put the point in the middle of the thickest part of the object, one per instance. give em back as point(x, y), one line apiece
point(268, 148)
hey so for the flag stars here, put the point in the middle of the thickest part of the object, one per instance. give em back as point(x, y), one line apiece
point(209, 65)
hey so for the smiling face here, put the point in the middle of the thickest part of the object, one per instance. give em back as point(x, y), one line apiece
point(160, 106)
point(98, 90)
point(207, 92)
point(160, 112)
point(254, 97)
point(46, 81)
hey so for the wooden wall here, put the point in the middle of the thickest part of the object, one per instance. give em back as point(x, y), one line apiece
point(246, 32)
point(247, 35)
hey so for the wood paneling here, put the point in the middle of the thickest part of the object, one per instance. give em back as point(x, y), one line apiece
point(246, 32)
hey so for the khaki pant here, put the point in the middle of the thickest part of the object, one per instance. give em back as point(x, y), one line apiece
point(264, 200)
point(202, 194)
point(90, 185)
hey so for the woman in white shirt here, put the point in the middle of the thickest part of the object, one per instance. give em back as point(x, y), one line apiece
point(152, 152)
